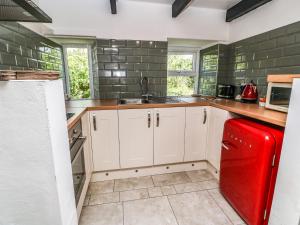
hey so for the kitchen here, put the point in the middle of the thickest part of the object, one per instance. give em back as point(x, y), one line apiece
point(170, 119)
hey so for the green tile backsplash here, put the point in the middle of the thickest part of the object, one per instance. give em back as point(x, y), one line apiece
point(118, 66)
point(23, 49)
point(273, 52)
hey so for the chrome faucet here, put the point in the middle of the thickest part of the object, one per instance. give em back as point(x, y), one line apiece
point(144, 84)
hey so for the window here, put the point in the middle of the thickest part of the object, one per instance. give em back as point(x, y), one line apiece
point(182, 73)
point(78, 71)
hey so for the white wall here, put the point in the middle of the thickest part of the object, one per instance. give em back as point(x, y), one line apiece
point(135, 20)
point(286, 202)
point(36, 184)
point(272, 15)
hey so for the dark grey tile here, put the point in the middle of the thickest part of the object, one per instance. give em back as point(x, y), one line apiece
point(111, 51)
point(104, 73)
point(8, 59)
point(133, 44)
point(148, 44)
point(140, 51)
point(161, 44)
point(103, 43)
point(157, 52)
point(126, 66)
point(126, 51)
point(152, 66)
point(286, 40)
point(111, 66)
point(141, 66)
point(104, 58)
point(118, 58)
point(119, 73)
point(117, 43)
point(148, 59)
point(134, 73)
point(134, 59)
point(293, 28)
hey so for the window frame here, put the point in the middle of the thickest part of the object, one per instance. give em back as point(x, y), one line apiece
point(195, 70)
point(90, 64)
point(196, 63)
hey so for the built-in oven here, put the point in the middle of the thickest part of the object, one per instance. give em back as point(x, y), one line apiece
point(278, 96)
point(77, 140)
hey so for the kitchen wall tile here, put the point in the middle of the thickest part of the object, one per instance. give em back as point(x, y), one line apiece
point(119, 73)
point(133, 44)
point(22, 49)
point(273, 52)
point(128, 60)
point(104, 58)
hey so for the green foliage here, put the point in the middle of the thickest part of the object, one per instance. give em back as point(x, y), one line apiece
point(180, 62)
point(78, 73)
point(180, 85)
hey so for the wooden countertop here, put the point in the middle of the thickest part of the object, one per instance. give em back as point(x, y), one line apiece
point(252, 111)
point(79, 107)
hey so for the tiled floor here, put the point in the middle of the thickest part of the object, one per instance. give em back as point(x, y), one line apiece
point(185, 198)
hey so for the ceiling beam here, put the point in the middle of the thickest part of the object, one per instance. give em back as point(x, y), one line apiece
point(243, 7)
point(178, 6)
point(113, 6)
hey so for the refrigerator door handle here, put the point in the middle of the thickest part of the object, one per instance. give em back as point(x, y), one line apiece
point(225, 146)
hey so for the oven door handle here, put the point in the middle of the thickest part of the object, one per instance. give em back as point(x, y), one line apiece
point(82, 140)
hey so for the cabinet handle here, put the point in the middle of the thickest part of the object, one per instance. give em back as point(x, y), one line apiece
point(94, 122)
point(149, 119)
point(157, 119)
point(205, 116)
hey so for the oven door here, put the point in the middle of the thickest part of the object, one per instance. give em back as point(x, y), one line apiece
point(278, 96)
point(78, 168)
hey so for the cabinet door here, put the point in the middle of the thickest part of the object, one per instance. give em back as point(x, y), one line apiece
point(105, 142)
point(85, 121)
point(215, 134)
point(169, 127)
point(136, 137)
point(196, 133)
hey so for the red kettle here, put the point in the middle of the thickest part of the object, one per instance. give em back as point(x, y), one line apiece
point(250, 93)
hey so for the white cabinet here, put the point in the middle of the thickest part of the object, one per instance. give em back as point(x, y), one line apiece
point(136, 137)
point(217, 119)
point(105, 141)
point(196, 133)
point(169, 128)
point(87, 145)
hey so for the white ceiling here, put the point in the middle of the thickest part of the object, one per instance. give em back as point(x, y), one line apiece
point(215, 4)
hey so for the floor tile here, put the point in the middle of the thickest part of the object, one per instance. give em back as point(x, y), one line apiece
point(155, 192)
point(86, 200)
point(168, 190)
point(199, 175)
point(152, 211)
point(224, 205)
point(133, 183)
point(197, 186)
point(108, 214)
point(101, 187)
point(134, 194)
point(104, 198)
point(170, 178)
point(197, 208)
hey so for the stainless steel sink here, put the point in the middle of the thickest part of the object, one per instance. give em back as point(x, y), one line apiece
point(154, 100)
point(133, 101)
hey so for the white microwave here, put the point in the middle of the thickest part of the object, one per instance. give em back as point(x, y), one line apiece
point(278, 96)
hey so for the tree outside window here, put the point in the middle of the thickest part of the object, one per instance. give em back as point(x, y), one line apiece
point(78, 70)
point(181, 74)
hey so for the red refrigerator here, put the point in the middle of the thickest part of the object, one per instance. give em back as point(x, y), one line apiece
point(249, 163)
